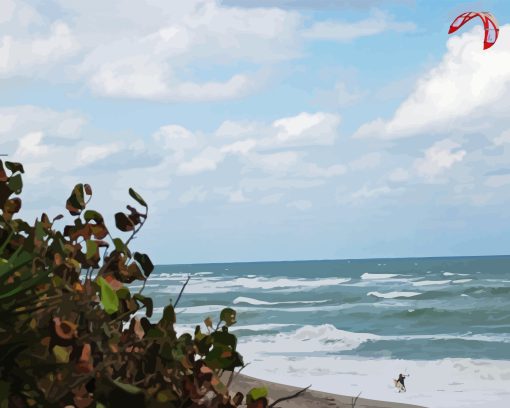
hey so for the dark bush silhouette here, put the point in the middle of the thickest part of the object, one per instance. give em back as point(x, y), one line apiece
point(68, 331)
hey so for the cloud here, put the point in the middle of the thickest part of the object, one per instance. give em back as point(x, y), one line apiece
point(305, 129)
point(438, 158)
point(90, 154)
point(341, 96)
point(368, 193)
point(376, 24)
point(18, 56)
point(19, 120)
point(194, 194)
point(301, 205)
point(207, 160)
point(466, 88)
point(313, 4)
point(154, 58)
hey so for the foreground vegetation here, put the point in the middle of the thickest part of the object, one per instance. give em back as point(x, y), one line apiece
point(73, 334)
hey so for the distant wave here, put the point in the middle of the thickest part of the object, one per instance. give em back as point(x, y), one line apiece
point(323, 338)
point(452, 274)
point(256, 302)
point(223, 285)
point(431, 282)
point(308, 339)
point(375, 276)
point(462, 280)
point(393, 295)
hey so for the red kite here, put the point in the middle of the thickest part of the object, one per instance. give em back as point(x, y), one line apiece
point(489, 23)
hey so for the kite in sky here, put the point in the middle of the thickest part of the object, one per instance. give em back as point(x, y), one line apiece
point(489, 23)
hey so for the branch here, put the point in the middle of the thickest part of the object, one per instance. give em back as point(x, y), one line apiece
point(234, 374)
point(182, 290)
point(297, 394)
point(354, 401)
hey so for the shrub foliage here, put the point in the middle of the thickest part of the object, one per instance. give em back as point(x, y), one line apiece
point(72, 333)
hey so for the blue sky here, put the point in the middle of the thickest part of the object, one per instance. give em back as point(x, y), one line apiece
point(266, 130)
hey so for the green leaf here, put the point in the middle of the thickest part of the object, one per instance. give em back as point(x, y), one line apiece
point(123, 222)
point(16, 184)
point(12, 205)
point(166, 396)
point(145, 262)
point(62, 354)
point(14, 167)
point(121, 247)
point(76, 202)
point(224, 339)
point(228, 316)
point(225, 359)
point(91, 215)
point(131, 389)
point(109, 298)
point(137, 197)
point(168, 320)
point(256, 393)
point(147, 302)
point(92, 249)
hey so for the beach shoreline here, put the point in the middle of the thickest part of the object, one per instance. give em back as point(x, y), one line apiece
point(311, 398)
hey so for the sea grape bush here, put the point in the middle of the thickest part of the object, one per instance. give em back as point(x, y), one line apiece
point(69, 336)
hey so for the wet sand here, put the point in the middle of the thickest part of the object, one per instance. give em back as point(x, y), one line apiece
point(312, 399)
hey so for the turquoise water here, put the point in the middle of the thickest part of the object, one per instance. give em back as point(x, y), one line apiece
point(415, 309)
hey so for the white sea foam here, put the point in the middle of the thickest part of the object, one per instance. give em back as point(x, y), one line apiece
point(375, 276)
point(393, 295)
point(224, 285)
point(452, 274)
point(431, 282)
point(190, 328)
point(462, 280)
point(448, 383)
point(326, 338)
point(256, 302)
point(307, 340)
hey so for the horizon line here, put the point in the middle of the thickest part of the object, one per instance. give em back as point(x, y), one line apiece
point(337, 259)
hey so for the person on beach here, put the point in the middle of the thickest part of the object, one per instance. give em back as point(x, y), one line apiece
point(400, 383)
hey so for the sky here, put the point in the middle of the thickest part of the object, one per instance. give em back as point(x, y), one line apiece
point(265, 130)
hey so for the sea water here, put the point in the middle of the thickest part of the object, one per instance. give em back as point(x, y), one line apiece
point(352, 326)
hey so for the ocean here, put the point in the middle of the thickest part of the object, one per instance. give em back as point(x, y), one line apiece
point(351, 326)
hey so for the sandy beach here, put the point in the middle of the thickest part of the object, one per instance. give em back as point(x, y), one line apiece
point(310, 398)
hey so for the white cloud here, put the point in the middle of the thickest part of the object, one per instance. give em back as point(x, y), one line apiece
point(271, 199)
point(498, 181)
point(399, 175)
point(467, 87)
point(240, 147)
point(503, 138)
point(90, 154)
point(152, 58)
point(438, 158)
point(18, 56)
point(175, 138)
point(306, 129)
point(367, 161)
point(378, 23)
point(232, 129)
point(237, 197)
point(194, 194)
point(340, 96)
point(207, 160)
point(367, 193)
point(30, 146)
point(301, 205)
point(16, 121)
